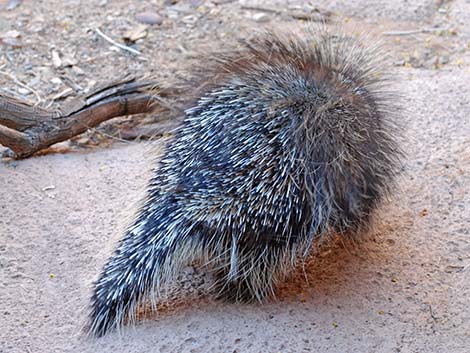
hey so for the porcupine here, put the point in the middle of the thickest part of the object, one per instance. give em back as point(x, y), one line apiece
point(289, 140)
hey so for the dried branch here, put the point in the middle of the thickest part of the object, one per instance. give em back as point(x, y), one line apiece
point(26, 129)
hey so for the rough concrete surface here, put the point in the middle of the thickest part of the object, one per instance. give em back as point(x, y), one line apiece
point(406, 289)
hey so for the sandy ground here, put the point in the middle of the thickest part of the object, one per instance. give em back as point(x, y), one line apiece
point(407, 289)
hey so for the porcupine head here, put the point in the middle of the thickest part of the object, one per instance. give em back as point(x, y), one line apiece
point(289, 139)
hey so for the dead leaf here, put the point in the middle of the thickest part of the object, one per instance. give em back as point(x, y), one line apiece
point(133, 34)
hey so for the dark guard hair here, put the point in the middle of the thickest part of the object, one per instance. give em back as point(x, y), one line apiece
point(288, 141)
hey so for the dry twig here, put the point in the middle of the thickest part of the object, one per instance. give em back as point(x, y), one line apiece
point(314, 15)
point(116, 44)
point(26, 129)
point(414, 31)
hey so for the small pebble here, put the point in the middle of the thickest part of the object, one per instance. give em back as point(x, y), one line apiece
point(56, 81)
point(399, 63)
point(56, 61)
point(196, 3)
point(444, 59)
point(149, 18)
point(69, 61)
point(23, 91)
point(12, 4)
point(77, 70)
point(261, 17)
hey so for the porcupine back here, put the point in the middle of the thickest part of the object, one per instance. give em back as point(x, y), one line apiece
point(290, 139)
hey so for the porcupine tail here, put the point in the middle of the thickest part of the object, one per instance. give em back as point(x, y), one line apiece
point(146, 259)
